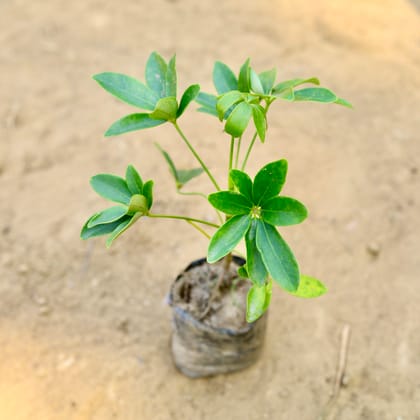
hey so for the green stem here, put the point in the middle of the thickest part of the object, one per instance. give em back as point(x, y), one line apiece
point(186, 218)
point(199, 229)
point(248, 152)
point(219, 216)
point(232, 147)
point(238, 149)
point(196, 155)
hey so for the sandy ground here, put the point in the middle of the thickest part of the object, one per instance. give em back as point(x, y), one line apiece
point(84, 332)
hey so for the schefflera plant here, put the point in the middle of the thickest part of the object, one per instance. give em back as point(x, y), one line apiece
point(253, 208)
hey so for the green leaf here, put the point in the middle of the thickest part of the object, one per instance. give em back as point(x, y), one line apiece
point(99, 230)
point(277, 256)
point(242, 272)
point(121, 228)
point(256, 269)
point(226, 101)
point(185, 175)
point(128, 89)
point(209, 111)
point(189, 95)
point(256, 85)
point(138, 203)
point(243, 80)
point(148, 192)
point(257, 302)
point(133, 179)
point(259, 121)
point(132, 122)
point(269, 181)
point(288, 95)
point(227, 237)
point(230, 202)
point(109, 215)
point(156, 74)
point(170, 163)
point(309, 287)
point(238, 119)
point(171, 78)
point(111, 187)
point(315, 94)
point(341, 101)
point(242, 182)
point(166, 109)
point(223, 78)
point(283, 211)
point(207, 100)
point(291, 84)
point(267, 79)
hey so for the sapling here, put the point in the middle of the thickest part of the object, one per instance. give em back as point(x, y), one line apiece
point(248, 209)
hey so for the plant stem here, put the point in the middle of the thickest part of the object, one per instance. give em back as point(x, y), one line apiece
point(238, 149)
point(232, 147)
point(248, 152)
point(219, 216)
point(186, 218)
point(196, 155)
point(199, 229)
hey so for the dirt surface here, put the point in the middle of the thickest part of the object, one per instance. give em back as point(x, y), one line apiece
point(84, 331)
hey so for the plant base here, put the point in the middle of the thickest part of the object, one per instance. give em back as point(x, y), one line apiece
point(220, 341)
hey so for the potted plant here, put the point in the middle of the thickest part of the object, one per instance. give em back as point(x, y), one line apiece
point(219, 302)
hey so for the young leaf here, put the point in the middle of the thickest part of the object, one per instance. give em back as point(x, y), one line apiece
point(315, 94)
point(283, 211)
point(309, 287)
point(230, 202)
point(132, 122)
point(128, 89)
point(148, 192)
point(242, 272)
point(256, 269)
point(185, 175)
point(269, 181)
point(238, 120)
point(259, 121)
point(287, 94)
point(171, 78)
point(243, 80)
point(189, 95)
point(170, 163)
point(111, 187)
point(341, 101)
point(121, 228)
point(109, 215)
point(133, 179)
point(227, 237)
point(166, 109)
point(267, 79)
point(255, 302)
point(156, 74)
point(226, 101)
point(256, 85)
point(242, 182)
point(223, 78)
point(209, 111)
point(277, 256)
point(208, 103)
point(99, 230)
point(291, 84)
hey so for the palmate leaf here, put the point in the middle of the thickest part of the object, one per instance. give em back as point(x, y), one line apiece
point(277, 257)
point(128, 89)
point(256, 85)
point(166, 109)
point(108, 215)
point(244, 76)
point(132, 122)
point(100, 230)
point(227, 237)
point(111, 187)
point(223, 78)
point(230, 202)
point(242, 182)
point(309, 287)
point(269, 181)
point(315, 94)
point(258, 301)
point(148, 192)
point(238, 119)
point(189, 95)
point(171, 82)
point(133, 179)
point(121, 228)
point(257, 272)
point(156, 69)
point(283, 211)
point(267, 79)
point(226, 101)
point(291, 84)
point(259, 121)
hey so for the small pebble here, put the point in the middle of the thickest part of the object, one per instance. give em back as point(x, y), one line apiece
point(373, 249)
